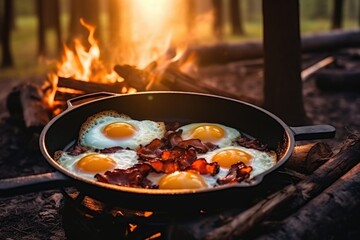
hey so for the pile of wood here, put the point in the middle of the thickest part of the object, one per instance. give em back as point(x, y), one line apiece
point(321, 197)
point(26, 101)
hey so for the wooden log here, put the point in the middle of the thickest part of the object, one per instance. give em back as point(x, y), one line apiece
point(178, 81)
point(338, 80)
point(299, 194)
point(26, 103)
point(226, 53)
point(306, 158)
point(89, 87)
point(329, 212)
point(198, 228)
point(134, 77)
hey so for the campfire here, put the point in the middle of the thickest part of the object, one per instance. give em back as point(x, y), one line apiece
point(288, 208)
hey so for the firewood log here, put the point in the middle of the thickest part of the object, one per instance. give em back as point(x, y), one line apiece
point(324, 216)
point(299, 194)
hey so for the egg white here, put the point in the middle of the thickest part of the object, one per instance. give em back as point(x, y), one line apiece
point(91, 133)
point(124, 159)
point(260, 162)
point(231, 134)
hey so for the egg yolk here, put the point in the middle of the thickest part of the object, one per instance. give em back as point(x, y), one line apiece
point(182, 180)
point(119, 130)
point(208, 133)
point(94, 163)
point(228, 157)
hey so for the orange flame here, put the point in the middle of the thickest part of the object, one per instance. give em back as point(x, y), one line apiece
point(148, 40)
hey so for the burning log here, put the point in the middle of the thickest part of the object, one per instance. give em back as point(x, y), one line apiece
point(138, 79)
point(172, 79)
point(90, 87)
point(25, 102)
point(299, 194)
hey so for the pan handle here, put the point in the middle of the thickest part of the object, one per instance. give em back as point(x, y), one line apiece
point(313, 132)
point(88, 97)
point(40, 182)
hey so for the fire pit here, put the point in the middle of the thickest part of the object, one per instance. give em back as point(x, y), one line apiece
point(51, 213)
point(316, 170)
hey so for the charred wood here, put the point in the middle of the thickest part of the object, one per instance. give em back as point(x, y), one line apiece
point(89, 87)
point(229, 223)
point(337, 204)
point(292, 197)
point(172, 79)
point(25, 103)
point(176, 80)
point(307, 158)
point(338, 80)
point(134, 77)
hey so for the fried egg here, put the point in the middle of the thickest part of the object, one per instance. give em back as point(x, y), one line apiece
point(109, 129)
point(217, 134)
point(260, 161)
point(90, 163)
point(179, 180)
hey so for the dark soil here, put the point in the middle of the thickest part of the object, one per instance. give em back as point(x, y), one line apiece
point(38, 215)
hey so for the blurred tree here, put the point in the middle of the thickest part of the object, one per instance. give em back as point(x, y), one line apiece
point(7, 23)
point(218, 19)
point(252, 9)
point(282, 58)
point(337, 14)
point(48, 14)
point(319, 9)
point(237, 23)
point(89, 11)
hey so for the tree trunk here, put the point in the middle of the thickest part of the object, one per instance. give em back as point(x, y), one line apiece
point(282, 61)
point(7, 59)
point(48, 13)
point(319, 10)
point(88, 10)
point(337, 14)
point(252, 10)
point(218, 19)
point(237, 23)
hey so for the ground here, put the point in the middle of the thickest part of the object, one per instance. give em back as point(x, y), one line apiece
point(37, 215)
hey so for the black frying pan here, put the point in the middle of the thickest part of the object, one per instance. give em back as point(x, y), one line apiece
point(183, 107)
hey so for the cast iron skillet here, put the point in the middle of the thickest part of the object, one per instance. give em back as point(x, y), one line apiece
point(62, 131)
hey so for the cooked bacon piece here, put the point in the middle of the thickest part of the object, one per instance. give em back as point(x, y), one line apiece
point(111, 149)
point(251, 143)
point(203, 167)
point(151, 150)
point(237, 173)
point(173, 138)
point(131, 177)
point(177, 159)
point(160, 166)
point(195, 143)
point(78, 150)
point(172, 126)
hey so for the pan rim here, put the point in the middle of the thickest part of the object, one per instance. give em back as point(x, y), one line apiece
point(131, 190)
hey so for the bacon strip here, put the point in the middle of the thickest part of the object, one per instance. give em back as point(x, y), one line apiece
point(131, 177)
point(203, 167)
point(237, 173)
point(251, 143)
